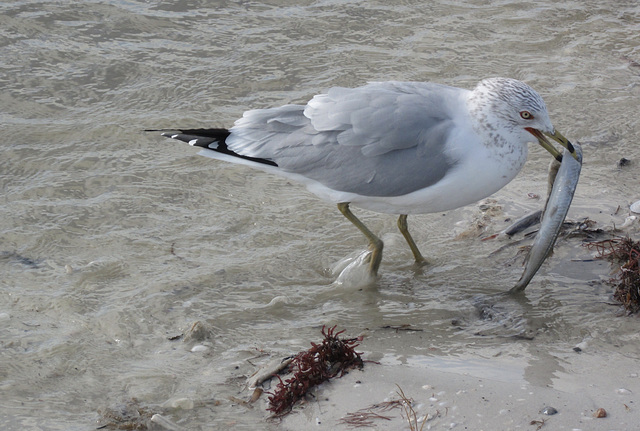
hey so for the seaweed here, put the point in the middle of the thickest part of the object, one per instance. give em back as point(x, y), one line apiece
point(410, 414)
point(625, 253)
point(364, 418)
point(324, 361)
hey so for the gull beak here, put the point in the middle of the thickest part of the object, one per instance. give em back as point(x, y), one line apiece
point(556, 136)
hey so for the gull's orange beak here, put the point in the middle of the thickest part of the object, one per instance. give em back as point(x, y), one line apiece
point(556, 136)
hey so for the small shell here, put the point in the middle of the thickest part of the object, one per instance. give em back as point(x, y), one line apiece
point(549, 411)
point(600, 413)
point(629, 221)
point(623, 162)
point(256, 394)
point(635, 207)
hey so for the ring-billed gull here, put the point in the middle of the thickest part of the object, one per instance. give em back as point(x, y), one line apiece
point(392, 147)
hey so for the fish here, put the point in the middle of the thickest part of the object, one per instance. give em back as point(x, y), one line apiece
point(564, 187)
point(523, 223)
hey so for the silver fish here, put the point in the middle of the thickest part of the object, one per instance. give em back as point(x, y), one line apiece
point(523, 223)
point(564, 186)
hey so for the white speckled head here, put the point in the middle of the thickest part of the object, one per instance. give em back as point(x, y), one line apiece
point(508, 108)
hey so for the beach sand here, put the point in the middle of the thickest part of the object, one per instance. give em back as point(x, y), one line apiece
point(471, 394)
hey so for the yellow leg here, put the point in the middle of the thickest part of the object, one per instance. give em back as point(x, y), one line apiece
point(375, 243)
point(404, 229)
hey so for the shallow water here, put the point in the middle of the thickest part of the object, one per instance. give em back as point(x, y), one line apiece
point(113, 241)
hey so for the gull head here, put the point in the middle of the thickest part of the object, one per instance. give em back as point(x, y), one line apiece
point(519, 111)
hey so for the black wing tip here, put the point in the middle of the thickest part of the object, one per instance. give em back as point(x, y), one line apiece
point(210, 133)
point(211, 139)
point(205, 138)
point(216, 133)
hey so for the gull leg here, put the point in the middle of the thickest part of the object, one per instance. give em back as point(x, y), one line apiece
point(375, 243)
point(404, 230)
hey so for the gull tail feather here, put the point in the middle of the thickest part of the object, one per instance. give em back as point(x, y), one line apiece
point(209, 139)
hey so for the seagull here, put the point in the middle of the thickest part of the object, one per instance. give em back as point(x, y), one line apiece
point(392, 147)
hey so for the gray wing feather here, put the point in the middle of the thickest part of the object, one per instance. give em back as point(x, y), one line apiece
point(383, 139)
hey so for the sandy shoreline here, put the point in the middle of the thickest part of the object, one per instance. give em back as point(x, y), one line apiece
point(497, 390)
point(463, 399)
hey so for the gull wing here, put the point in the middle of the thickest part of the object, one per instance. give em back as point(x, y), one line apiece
point(383, 139)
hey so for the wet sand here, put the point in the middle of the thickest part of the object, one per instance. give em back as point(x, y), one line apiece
point(480, 394)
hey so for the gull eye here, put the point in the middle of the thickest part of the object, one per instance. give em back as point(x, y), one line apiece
point(526, 115)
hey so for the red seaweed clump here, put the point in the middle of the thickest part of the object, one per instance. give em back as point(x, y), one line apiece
point(310, 368)
point(626, 253)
